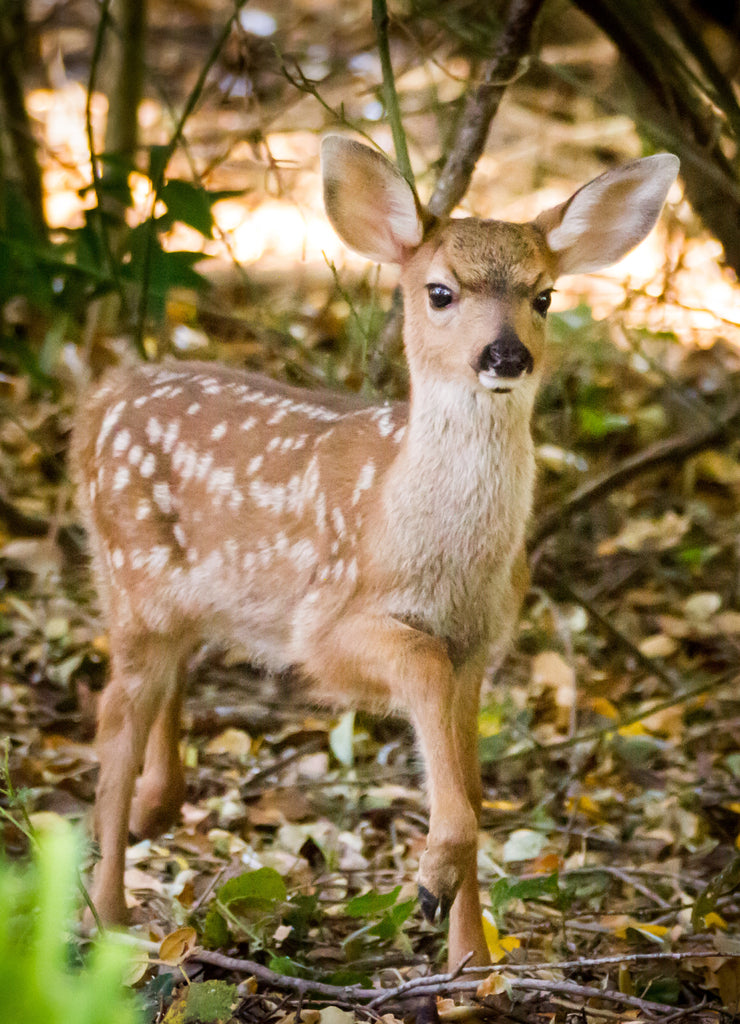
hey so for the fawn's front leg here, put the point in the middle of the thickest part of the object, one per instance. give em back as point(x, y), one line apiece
point(466, 924)
point(411, 669)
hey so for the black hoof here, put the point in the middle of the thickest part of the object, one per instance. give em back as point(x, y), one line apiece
point(444, 908)
point(428, 903)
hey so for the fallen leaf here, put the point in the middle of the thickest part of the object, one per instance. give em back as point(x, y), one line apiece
point(648, 534)
point(659, 645)
point(176, 946)
point(498, 946)
point(523, 844)
point(550, 669)
point(493, 985)
point(702, 606)
point(235, 742)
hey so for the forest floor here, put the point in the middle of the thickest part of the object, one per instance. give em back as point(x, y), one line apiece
point(610, 739)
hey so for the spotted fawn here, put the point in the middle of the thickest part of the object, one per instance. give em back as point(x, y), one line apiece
point(375, 550)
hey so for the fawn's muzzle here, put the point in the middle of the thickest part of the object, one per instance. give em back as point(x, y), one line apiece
point(506, 357)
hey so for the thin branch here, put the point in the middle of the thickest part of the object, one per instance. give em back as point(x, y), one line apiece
point(301, 986)
point(392, 108)
point(169, 149)
point(623, 723)
point(481, 103)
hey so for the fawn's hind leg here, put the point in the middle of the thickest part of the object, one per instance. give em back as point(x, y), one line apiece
point(160, 790)
point(145, 680)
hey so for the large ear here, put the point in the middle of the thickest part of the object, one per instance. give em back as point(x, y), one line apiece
point(602, 221)
point(369, 202)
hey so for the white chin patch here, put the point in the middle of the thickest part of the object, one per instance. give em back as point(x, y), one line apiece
point(502, 385)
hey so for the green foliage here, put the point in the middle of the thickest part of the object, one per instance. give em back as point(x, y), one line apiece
point(249, 903)
point(390, 914)
point(372, 903)
point(58, 279)
point(38, 983)
point(254, 904)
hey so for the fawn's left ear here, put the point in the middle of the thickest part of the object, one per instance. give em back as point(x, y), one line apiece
point(610, 215)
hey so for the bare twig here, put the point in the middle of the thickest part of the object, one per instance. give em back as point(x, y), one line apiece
point(301, 986)
point(588, 735)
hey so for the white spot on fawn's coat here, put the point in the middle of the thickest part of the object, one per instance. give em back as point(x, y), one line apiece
point(162, 496)
point(121, 478)
point(364, 480)
point(153, 430)
point(110, 419)
point(121, 442)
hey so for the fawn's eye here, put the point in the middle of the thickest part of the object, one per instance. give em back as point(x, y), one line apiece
point(542, 301)
point(440, 295)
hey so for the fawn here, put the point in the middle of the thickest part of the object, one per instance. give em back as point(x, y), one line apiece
point(377, 550)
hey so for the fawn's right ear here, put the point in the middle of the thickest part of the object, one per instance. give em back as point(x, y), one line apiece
point(368, 201)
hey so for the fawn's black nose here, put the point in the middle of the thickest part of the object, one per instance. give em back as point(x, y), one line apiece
point(506, 356)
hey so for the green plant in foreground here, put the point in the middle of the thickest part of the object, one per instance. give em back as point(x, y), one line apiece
point(38, 983)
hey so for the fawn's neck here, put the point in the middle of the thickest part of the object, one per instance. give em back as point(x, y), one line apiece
point(455, 506)
point(468, 453)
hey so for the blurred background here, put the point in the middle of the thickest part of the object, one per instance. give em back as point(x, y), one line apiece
point(160, 197)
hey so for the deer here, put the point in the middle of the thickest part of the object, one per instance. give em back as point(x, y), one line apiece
point(375, 550)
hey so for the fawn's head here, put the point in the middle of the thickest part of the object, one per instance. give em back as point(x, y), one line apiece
point(476, 292)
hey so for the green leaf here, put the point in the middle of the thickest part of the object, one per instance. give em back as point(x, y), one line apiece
point(663, 990)
point(598, 423)
point(390, 924)
point(543, 887)
point(372, 903)
point(347, 977)
point(290, 968)
point(188, 203)
point(491, 748)
point(215, 932)
point(264, 885)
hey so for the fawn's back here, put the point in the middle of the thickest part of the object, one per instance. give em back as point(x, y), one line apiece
point(216, 502)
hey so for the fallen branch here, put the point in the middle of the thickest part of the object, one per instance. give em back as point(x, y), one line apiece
point(674, 449)
point(457, 982)
point(284, 982)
